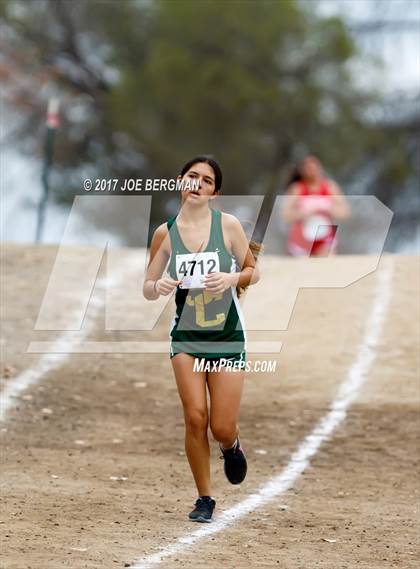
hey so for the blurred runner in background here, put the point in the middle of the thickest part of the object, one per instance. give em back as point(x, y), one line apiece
point(312, 205)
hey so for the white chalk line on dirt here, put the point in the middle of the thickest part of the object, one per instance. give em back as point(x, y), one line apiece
point(49, 361)
point(300, 460)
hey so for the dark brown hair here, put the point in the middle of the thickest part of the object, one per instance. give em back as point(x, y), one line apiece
point(208, 159)
point(256, 248)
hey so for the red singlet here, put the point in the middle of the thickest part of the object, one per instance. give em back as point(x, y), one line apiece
point(307, 236)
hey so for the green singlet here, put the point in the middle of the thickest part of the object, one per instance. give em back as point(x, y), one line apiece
point(206, 326)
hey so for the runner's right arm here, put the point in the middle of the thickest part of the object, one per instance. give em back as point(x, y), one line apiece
point(154, 284)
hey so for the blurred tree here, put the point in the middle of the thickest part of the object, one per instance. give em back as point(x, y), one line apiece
point(251, 82)
point(71, 50)
point(145, 85)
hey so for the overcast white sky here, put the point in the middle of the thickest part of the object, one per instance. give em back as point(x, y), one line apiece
point(400, 50)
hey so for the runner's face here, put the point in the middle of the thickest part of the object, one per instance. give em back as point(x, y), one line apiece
point(311, 168)
point(202, 183)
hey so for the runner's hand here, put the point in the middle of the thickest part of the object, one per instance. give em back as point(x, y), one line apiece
point(217, 283)
point(165, 285)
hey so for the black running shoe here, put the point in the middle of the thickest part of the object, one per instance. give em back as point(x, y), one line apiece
point(235, 463)
point(203, 510)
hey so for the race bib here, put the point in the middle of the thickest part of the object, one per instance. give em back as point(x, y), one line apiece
point(316, 227)
point(191, 268)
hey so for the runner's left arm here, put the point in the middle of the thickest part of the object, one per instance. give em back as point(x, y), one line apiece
point(249, 273)
point(340, 206)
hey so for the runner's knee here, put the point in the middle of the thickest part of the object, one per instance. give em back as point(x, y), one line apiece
point(196, 420)
point(223, 432)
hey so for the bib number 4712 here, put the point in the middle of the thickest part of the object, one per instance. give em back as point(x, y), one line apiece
point(191, 268)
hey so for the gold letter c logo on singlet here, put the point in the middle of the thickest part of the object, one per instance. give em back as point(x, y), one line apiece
point(199, 303)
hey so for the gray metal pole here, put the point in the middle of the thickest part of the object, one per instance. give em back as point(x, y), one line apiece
point(52, 125)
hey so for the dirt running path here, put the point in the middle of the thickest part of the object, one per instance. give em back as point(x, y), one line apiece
point(62, 509)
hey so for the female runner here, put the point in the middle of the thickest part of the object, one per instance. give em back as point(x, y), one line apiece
point(205, 247)
point(313, 203)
